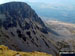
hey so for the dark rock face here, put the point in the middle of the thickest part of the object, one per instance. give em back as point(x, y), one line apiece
point(18, 11)
point(21, 29)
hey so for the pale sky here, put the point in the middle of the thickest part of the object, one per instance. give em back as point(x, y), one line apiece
point(45, 1)
point(60, 9)
point(50, 3)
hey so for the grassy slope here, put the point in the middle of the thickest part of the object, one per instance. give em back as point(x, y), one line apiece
point(5, 51)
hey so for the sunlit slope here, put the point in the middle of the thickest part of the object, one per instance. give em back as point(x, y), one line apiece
point(5, 51)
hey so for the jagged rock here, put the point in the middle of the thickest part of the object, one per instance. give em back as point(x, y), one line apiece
point(22, 29)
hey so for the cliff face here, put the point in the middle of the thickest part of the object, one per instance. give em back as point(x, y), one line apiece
point(21, 29)
point(18, 11)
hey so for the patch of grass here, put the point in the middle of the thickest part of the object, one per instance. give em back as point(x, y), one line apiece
point(73, 32)
point(5, 51)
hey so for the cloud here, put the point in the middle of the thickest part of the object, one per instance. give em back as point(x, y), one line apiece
point(65, 14)
point(45, 6)
point(31, 0)
point(5, 1)
point(56, 6)
point(49, 4)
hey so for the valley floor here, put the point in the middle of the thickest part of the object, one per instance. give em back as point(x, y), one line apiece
point(65, 40)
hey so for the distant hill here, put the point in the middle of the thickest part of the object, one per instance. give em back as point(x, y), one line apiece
point(66, 38)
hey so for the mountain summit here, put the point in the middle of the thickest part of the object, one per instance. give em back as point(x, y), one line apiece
point(21, 29)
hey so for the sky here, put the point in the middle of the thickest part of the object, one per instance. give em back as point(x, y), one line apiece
point(44, 1)
point(54, 9)
point(55, 4)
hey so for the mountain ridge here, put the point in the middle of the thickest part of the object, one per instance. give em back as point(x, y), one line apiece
point(22, 29)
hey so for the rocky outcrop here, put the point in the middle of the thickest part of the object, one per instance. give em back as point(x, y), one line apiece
point(22, 29)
